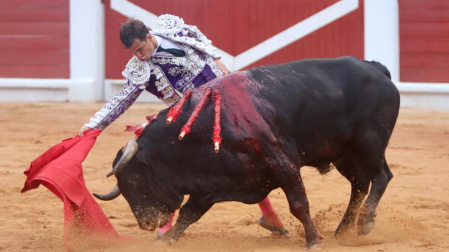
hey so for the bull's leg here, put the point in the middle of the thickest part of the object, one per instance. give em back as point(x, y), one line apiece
point(369, 147)
point(270, 220)
point(379, 179)
point(189, 213)
point(299, 207)
point(350, 169)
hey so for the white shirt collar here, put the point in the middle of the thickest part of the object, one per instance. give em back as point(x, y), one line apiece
point(159, 42)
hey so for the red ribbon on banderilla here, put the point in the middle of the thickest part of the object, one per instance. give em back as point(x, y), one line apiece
point(217, 128)
point(175, 111)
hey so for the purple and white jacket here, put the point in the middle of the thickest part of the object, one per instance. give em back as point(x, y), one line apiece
point(167, 77)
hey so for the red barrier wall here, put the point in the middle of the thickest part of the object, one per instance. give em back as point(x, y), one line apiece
point(424, 40)
point(34, 39)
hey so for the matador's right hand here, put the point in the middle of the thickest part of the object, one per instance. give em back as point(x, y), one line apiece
point(82, 130)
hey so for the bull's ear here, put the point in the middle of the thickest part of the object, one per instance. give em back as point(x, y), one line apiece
point(143, 157)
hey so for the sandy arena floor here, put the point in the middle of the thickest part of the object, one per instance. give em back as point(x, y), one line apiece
point(413, 215)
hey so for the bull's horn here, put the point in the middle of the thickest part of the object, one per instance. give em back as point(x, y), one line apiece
point(109, 196)
point(129, 151)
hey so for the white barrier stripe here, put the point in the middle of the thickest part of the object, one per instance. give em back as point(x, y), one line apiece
point(296, 32)
point(129, 9)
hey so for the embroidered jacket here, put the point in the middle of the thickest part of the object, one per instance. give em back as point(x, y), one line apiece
point(167, 77)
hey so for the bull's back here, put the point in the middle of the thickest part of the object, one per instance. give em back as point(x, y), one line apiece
point(322, 80)
point(325, 86)
point(321, 102)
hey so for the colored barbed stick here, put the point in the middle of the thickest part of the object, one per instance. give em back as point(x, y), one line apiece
point(217, 128)
point(175, 111)
point(187, 127)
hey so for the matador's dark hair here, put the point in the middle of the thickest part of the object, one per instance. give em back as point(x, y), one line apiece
point(131, 30)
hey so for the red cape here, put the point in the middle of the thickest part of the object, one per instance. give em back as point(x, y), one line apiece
point(59, 169)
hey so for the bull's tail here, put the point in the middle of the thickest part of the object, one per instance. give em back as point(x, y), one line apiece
point(381, 67)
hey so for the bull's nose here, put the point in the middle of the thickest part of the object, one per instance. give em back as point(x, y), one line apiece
point(150, 224)
point(147, 228)
point(146, 225)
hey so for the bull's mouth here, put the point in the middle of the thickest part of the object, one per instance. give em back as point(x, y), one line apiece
point(151, 225)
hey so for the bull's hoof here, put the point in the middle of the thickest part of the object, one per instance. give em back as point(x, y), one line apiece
point(265, 224)
point(315, 247)
point(161, 239)
point(365, 228)
point(342, 229)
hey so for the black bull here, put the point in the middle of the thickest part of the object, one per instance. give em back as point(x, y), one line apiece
point(275, 119)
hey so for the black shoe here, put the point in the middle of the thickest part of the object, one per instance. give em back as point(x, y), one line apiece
point(265, 224)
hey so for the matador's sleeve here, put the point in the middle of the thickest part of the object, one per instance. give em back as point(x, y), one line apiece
point(115, 107)
point(138, 73)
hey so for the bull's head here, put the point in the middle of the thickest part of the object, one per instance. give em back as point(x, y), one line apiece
point(134, 183)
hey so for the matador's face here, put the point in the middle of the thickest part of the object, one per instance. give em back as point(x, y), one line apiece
point(143, 49)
